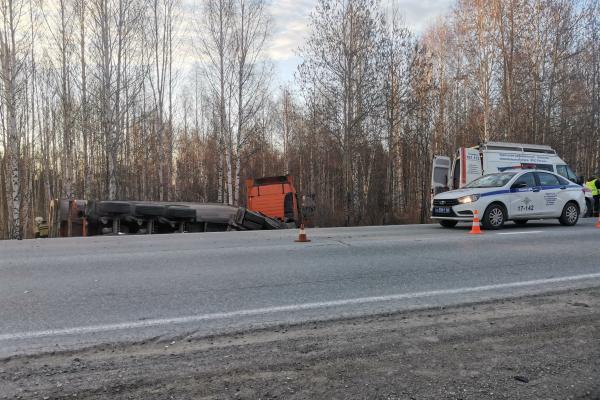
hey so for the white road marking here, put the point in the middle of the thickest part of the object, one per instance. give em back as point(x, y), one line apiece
point(289, 308)
point(518, 233)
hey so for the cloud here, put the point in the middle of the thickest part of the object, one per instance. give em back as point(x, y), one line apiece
point(290, 29)
point(419, 14)
point(291, 19)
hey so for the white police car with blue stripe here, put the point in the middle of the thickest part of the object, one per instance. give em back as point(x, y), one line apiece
point(512, 195)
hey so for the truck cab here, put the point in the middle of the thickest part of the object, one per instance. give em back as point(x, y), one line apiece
point(275, 197)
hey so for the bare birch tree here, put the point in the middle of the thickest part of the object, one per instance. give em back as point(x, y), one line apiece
point(342, 61)
point(251, 73)
point(13, 55)
point(115, 26)
point(161, 83)
point(94, 101)
point(215, 46)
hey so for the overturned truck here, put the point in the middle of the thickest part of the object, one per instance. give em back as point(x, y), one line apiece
point(272, 203)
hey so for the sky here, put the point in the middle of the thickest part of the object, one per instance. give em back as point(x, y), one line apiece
point(290, 27)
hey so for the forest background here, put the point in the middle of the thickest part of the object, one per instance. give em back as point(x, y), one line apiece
point(95, 104)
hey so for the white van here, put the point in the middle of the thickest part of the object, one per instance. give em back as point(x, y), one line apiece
point(471, 163)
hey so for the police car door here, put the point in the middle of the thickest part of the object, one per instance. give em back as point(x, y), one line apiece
point(552, 200)
point(525, 197)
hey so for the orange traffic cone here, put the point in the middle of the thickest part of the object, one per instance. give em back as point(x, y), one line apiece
point(302, 236)
point(598, 223)
point(475, 230)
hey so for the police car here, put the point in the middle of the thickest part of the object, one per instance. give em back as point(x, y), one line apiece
point(511, 195)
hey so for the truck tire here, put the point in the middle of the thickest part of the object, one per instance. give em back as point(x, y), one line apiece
point(113, 207)
point(180, 212)
point(148, 210)
point(447, 223)
point(494, 217)
point(570, 214)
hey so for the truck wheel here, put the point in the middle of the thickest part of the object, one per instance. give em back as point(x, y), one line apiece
point(494, 217)
point(448, 223)
point(113, 207)
point(149, 210)
point(570, 214)
point(179, 212)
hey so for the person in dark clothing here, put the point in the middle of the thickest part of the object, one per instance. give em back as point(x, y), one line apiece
point(597, 197)
point(593, 185)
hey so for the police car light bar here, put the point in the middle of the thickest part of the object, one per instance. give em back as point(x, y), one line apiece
point(519, 167)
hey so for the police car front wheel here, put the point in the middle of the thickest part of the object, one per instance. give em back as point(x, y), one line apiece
point(570, 214)
point(494, 217)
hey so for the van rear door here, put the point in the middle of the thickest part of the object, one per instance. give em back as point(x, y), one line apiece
point(470, 165)
point(439, 174)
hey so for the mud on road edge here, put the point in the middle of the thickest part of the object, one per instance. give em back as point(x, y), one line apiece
point(543, 346)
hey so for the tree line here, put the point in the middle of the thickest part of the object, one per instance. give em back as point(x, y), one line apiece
point(95, 104)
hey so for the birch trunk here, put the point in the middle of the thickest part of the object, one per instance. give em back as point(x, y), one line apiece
point(8, 58)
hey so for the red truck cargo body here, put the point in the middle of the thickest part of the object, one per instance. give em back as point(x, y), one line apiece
point(273, 196)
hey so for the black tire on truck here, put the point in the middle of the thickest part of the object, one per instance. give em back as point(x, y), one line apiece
point(448, 223)
point(113, 207)
point(149, 210)
point(179, 212)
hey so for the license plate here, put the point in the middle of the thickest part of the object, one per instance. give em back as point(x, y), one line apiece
point(441, 210)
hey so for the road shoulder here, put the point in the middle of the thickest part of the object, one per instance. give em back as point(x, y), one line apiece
point(545, 346)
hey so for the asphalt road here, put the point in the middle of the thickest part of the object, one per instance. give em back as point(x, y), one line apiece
point(68, 293)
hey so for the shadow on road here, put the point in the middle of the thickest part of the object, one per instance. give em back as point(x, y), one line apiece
point(530, 225)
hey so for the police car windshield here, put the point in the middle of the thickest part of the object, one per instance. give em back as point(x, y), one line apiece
point(492, 180)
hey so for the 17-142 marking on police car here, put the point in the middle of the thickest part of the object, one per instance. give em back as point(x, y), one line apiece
point(526, 208)
point(527, 205)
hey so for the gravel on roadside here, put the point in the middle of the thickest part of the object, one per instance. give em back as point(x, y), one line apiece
point(539, 347)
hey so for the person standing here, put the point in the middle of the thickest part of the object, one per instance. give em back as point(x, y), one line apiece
point(597, 196)
point(594, 185)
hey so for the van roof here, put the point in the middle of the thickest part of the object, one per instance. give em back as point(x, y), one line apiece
point(528, 148)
